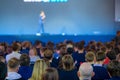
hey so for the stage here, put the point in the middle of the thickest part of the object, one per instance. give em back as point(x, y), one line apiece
point(55, 38)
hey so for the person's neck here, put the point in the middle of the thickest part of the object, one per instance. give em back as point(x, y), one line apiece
point(80, 51)
point(12, 70)
point(99, 62)
point(91, 62)
point(81, 78)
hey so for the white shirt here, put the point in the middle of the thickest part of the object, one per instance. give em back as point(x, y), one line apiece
point(12, 55)
point(33, 59)
point(13, 75)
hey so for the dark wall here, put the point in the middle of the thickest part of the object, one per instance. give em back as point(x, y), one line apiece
point(86, 17)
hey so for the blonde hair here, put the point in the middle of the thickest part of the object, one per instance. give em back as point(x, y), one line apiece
point(39, 68)
point(68, 63)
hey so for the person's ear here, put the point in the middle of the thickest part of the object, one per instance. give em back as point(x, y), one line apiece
point(78, 73)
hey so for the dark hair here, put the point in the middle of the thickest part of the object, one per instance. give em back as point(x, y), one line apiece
point(15, 47)
point(80, 46)
point(37, 42)
point(13, 63)
point(50, 74)
point(111, 55)
point(100, 56)
point(24, 60)
point(114, 68)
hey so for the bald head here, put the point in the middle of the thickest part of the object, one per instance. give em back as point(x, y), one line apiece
point(86, 71)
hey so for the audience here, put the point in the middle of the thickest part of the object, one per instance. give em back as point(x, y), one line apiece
point(13, 67)
point(25, 70)
point(39, 68)
point(50, 74)
point(114, 70)
point(85, 71)
point(91, 61)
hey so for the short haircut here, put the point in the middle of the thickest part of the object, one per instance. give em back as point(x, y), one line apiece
point(80, 46)
point(86, 70)
point(50, 74)
point(114, 68)
point(15, 46)
point(100, 56)
point(13, 63)
point(67, 62)
point(90, 56)
point(111, 55)
point(24, 60)
point(48, 54)
point(37, 42)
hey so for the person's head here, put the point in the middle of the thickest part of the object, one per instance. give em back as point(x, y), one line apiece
point(24, 60)
point(114, 68)
point(67, 62)
point(100, 56)
point(15, 46)
point(42, 50)
point(42, 13)
point(111, 55)
point(33, 52)
point(63, 49)
point(13, 65)
point(38, 44)
point(39, 68)
point(48, 54)
point(26, 44)
point(90, 57)
point(50, 74)
point(80, 46)
point(85, 71)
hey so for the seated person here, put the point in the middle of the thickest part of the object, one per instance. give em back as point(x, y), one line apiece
point(33, 55)
point(15, 53)
point(100, 71)
point(85, 71)
point(79, 56)
point(25, 70)
point(3, 68)
point(13, 67)
point(39, 68)
point(114, 70)
point(68, 71)
point(90, 57)
point(48, 57)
